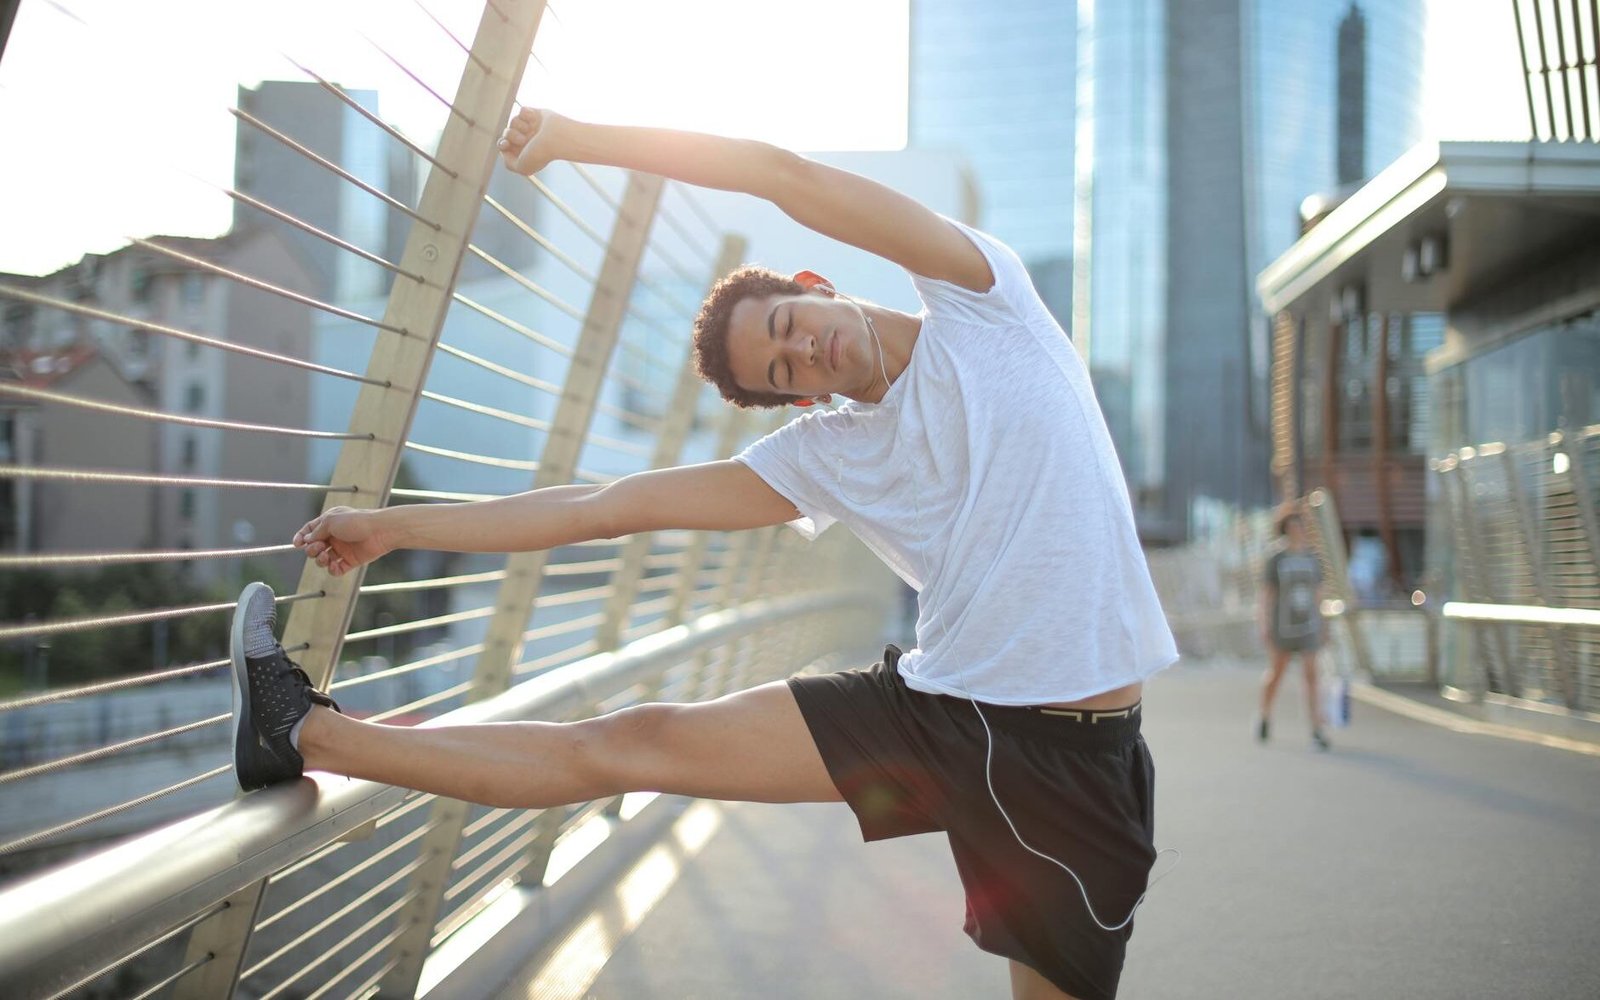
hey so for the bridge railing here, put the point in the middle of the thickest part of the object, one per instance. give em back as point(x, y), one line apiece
point(521, 333)
point(338, 858)
point(1527, 567)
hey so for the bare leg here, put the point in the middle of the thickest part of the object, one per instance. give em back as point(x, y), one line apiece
point(1269, 683)
point(750, 746)
point(1308, 661)
point(1027, 984)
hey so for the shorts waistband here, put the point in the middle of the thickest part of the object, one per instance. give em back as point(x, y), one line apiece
point(1070, 727)
point(1093, 717)
point(1086, 728)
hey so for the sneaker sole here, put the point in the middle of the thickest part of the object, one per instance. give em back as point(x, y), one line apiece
point(241, 677)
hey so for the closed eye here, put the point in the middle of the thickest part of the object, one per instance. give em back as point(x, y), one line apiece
point(772, 334)
point(788, 331)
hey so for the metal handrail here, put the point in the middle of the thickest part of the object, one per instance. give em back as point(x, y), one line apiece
point(58, 925)
point(1521, 614)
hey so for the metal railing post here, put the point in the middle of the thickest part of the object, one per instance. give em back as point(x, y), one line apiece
point(399, 365)
point(1326, 518)
point(525, 570)
point(1496, 652)
point(219, 976)
point(728, 587)
point(755, 586)
point(670, 439)
point(733, 424)
point(1584, 497)
point(1564, 667)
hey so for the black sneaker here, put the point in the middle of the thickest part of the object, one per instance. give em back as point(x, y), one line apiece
point(1319, 740)
point(1261, 730)
point(270, 694)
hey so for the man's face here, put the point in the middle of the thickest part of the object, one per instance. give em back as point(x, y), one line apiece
point(801, 345)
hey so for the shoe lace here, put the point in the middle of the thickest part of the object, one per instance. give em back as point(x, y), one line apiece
point(317, 697)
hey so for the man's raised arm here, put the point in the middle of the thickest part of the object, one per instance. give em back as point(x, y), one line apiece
point(836, 203)
point(716, 496)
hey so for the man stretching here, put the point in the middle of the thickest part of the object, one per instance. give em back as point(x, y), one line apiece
point(971, 457)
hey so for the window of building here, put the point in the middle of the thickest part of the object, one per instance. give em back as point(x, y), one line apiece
point(1313, 361)
point(186, 505)
point(1358, 368)
point(1411, 337)
point(195, 397)
point(189, 453)
point(1546, 380)
point(17, 319)
point(193, 289)
point(142, 285)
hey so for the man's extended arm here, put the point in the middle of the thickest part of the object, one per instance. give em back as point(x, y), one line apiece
point(719, 496)
point(836, 203)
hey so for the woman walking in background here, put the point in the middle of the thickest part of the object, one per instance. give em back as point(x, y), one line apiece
point(1291, 621)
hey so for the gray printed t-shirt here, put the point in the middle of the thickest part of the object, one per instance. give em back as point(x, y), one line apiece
point(987, 480)
point(1293, 578)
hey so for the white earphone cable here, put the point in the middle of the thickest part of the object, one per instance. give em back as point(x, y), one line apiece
point(988, 761)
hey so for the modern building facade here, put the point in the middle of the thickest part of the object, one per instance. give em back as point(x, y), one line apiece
point(134, 366)
point(59, 515)
point(994, 83)
point(1119, 239)
point(271, 170)
point(1335, 95)
point(1474, 475)
point(1202, 127)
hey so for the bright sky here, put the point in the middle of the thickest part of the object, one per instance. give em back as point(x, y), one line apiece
point(114, 118)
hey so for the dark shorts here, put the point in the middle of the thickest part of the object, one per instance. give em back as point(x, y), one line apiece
point(1304, 642)
point(1078, 790)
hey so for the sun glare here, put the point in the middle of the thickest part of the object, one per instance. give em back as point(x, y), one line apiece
point(830, 74)
point(116, 124)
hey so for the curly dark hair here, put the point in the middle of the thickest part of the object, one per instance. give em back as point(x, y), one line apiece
point(711, 331)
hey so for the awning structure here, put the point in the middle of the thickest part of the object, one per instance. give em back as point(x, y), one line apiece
point(1463, 212)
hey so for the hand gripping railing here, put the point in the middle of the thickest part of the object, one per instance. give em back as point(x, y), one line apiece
point(64, 927)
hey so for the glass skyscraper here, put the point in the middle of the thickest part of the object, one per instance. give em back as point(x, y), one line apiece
point(1201, 127)
point(1293, 83)
point(994, 82)
point(1119, 247)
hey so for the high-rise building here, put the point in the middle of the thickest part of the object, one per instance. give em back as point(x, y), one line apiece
point(1324, 72)
point(994, 83)
point(1119, 244)
point(1202, 127)
point(284, 178)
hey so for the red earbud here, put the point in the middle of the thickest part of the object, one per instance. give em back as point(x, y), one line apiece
point(811, 279)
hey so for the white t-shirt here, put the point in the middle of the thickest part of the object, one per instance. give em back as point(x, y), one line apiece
point(987, 480)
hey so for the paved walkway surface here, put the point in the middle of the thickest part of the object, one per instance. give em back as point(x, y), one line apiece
point(1409, 862)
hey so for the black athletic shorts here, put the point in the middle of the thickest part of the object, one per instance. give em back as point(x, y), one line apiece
point(1079, 789)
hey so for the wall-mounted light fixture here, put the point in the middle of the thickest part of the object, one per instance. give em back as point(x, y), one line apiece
point(1424, 257)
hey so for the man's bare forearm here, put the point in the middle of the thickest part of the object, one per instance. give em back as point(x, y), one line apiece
point(539, 519)
point(709, 161)
point(836, 203)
